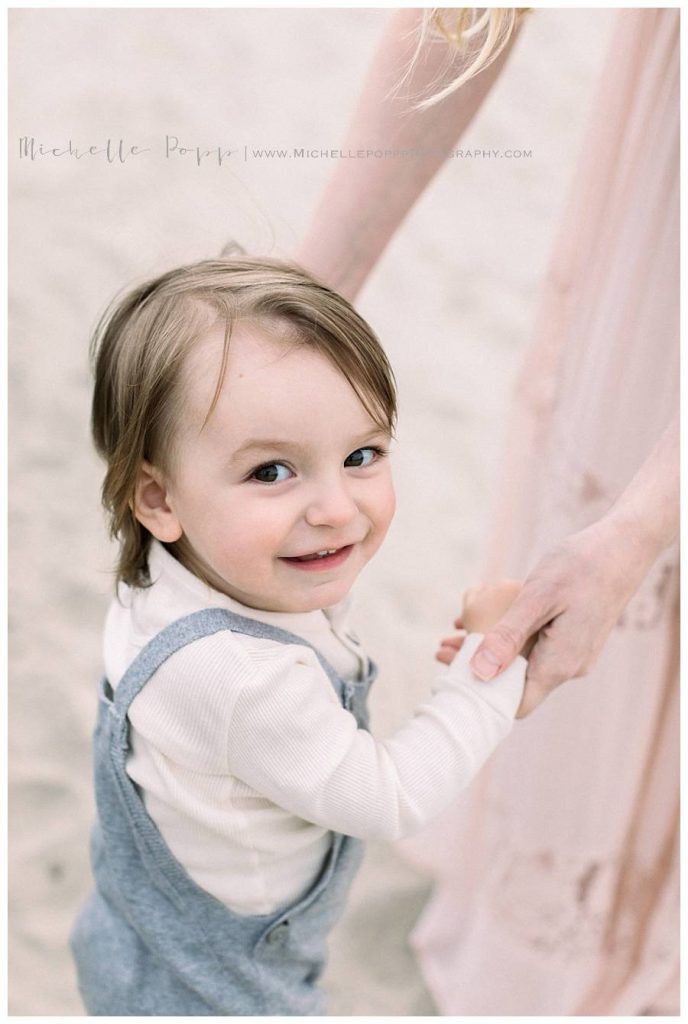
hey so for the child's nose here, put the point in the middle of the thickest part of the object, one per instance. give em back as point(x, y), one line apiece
point(331, 504)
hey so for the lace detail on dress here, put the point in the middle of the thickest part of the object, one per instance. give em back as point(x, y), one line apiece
point(655, 596)
point(569, 917)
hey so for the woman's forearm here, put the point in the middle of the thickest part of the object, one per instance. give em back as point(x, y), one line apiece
point(367, 197)
point(649, 506)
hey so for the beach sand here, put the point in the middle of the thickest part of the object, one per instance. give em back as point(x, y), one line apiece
point(453, 301)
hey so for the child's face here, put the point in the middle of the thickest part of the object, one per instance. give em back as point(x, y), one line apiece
point(285, 468)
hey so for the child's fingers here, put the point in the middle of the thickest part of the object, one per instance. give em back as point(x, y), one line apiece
point(449, 648)
point(455, 641)
point(446, 655)
point(459, 622)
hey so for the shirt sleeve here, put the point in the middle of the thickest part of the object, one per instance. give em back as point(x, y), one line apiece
point(291, 741)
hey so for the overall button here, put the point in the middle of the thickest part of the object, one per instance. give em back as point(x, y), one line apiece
point(278, 933)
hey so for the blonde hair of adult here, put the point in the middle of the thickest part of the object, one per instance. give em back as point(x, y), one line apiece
point(476, 36)
point(140, 346)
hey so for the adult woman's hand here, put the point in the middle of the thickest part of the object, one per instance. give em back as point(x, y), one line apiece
point(577, 592)
point(571, 600)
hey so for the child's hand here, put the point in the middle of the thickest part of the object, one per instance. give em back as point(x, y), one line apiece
point(483, 606)
point(451, 645)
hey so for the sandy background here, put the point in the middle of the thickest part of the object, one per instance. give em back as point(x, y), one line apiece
point(453, 301)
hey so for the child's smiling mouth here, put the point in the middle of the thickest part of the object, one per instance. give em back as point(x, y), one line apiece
point(317, 561)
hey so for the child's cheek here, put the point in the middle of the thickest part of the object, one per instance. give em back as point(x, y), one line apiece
point(382, 514)
point(254, 534)
point(389, 504)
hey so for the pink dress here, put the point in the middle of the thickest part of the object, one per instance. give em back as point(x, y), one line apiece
point(557, 876)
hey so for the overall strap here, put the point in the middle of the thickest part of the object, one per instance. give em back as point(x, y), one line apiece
point(193, 627)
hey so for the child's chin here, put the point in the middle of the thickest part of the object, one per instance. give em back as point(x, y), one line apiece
point(323, 597)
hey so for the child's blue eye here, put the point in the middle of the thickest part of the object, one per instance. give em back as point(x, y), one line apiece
point(363, 457)
point(271, 473)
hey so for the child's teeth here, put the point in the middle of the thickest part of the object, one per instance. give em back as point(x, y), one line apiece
point(317, 554)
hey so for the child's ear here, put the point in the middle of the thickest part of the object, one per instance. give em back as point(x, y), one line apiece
point(151, 506)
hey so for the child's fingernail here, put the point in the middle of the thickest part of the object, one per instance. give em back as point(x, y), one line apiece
point(484, 664)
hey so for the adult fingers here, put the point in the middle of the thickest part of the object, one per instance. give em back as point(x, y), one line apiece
point(527, 614)
point(533, 694)
point(555, 658)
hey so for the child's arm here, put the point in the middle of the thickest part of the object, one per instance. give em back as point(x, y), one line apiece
point(291, 741)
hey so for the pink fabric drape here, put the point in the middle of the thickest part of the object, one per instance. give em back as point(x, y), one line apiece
point(557, 875)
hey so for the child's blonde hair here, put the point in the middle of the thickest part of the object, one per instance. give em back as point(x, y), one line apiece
point(140, 345)
point(477, 35)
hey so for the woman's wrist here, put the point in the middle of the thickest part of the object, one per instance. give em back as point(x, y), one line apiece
point(647, 512)
point(649, 522)
point(637, 536)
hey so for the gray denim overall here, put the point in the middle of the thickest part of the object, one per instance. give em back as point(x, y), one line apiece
point(150, 941)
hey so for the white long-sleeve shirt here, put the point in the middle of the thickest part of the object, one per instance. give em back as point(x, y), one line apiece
point(246, 759)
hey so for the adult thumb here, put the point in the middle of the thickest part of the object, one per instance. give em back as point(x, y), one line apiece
point(504, 641)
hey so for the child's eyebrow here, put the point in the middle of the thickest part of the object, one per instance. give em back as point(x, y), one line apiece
point(265, 445)
point(270, 445)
